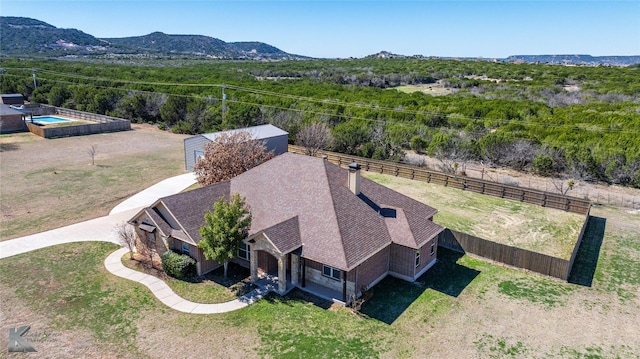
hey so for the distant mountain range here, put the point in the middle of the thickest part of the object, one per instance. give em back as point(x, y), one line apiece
point(21, 36)
point(543, 59)
point(25, 36)
point(576, 59)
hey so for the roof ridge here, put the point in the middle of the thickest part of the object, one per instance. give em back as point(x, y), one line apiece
point(333, 203)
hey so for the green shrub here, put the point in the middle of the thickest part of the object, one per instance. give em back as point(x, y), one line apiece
point(178, 265)
point(418, 144)
point(543, 164)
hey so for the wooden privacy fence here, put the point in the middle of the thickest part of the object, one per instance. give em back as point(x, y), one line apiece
point(466, 243)
point(513, 256)
point(101, 123)
point(89, 116)
point(533, 196)
point(580, 237)
point(77, 130)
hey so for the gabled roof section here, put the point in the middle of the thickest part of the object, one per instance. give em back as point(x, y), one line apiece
point(189, 208)
point(285, 236)
point(158, 221)
point(416, 214)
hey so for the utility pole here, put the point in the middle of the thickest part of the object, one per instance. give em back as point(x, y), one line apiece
point(224, 99)
point(35, 86)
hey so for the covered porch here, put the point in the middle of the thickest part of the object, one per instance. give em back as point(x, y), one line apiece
point(270, 262)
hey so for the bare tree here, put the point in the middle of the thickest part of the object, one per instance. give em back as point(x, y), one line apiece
point(92, 151)
point(314, 137)
point(126, 236)
point(229, 155)
point(563, 187)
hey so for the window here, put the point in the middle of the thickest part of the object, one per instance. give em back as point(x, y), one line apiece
point(198, 155)
point(418, 258)
point(331, 272)
point(244, 251)
point(185, 248)
point(433, 247)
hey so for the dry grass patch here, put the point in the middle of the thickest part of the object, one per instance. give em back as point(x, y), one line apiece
point(544, 230)
point(50, 183)
point(434, 89)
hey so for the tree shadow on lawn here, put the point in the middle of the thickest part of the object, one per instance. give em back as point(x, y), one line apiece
point(4, 147)
point(584, 265)
point(393, 296)
point(238, 279)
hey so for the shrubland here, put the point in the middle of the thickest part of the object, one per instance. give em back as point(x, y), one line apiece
point(547, 119)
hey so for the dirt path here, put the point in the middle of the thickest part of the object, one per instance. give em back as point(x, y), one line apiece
point(597, 193)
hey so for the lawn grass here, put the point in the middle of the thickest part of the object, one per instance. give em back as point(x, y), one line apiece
point(50, 183)
point(544, 230)
point(210, 288)
point(458, 308)
point(75, 292)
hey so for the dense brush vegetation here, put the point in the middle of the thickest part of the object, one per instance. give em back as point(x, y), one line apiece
point(549, 119)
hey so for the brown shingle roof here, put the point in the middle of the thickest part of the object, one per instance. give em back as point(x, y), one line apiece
point(189, 208)
point(285, 235)
point(159, 222)
point(298, 200)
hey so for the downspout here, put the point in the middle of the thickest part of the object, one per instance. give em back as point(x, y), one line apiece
point(304, 272)
point(344, 286)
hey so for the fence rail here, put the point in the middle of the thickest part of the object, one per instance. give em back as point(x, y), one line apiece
point(513, 256)
point(532, 196)
point(101, 123)
point(88, 116)
point(466, 243)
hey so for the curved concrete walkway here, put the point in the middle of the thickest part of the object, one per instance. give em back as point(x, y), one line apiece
point(163, 292)
point(102, 229)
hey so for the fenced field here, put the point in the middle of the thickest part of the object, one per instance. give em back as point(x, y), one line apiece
point(545, 243)
point(537, 197)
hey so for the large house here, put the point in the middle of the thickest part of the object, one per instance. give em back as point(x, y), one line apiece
point(315, 226)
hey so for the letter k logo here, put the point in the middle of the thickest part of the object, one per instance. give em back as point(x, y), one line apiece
point(17, 343)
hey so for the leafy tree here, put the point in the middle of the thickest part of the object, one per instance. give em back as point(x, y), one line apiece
point(224, 228)
point(418, 143)
point(174, 110)
point(58, 95)
point(229, 155)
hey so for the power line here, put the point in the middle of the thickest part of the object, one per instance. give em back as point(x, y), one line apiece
point(305, 99)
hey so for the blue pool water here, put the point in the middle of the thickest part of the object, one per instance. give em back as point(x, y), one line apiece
point(49, 119)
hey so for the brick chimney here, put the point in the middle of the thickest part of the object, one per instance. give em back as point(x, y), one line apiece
point(354, 178)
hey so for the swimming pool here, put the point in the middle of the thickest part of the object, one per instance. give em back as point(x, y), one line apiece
point(47, 120)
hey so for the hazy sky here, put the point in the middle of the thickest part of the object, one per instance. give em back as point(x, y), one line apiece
point(359, 28)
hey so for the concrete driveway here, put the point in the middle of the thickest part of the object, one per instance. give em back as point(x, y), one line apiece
point(102, 229)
